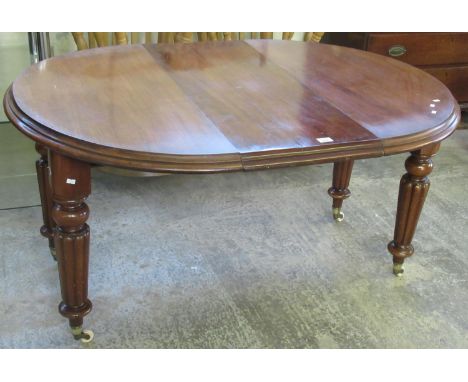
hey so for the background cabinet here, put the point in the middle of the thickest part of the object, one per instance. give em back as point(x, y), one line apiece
point(444, 55)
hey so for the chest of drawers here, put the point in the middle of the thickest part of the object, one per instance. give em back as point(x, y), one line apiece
point(443, 55)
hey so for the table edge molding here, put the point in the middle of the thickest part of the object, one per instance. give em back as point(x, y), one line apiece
point(171, 163)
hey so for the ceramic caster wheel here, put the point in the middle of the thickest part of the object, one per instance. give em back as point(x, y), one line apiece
point(338, 215)
point(85, 336)
point(398, 270)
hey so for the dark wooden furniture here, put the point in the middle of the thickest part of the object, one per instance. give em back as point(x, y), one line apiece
point(216, 107)
point(443, 55)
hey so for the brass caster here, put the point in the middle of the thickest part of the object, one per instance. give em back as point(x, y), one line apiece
point(84, 336)
point(52, 252)
point(338, 215)
point(398, 270)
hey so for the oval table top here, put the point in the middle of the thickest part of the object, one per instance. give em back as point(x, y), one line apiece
point(225, 106)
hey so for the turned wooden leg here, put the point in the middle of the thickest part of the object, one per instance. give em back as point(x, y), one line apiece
point(414, 186)
point(71, 184)
point(339, 189)
point(45, 192)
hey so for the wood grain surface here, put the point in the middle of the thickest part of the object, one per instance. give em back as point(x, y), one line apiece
point(228, 105)
point(434, 48)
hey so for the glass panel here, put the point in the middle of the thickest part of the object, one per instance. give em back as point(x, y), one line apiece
point(14, 58)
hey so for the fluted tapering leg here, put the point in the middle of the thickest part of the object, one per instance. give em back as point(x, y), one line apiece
point(339, 189)
point(45, 192)
point(71, 184)
point(414, 186)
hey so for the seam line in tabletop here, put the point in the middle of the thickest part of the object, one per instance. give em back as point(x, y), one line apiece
point(158, 61)
point(305, 149)
point(313, 91)
point(124, 159)
point(388, 145)
point(121, 95)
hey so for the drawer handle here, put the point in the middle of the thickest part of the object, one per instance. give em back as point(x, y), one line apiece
point(396, 50)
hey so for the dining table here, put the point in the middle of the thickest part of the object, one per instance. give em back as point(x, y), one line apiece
point(221, 106)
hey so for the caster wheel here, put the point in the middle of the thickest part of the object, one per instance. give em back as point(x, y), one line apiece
point(398, 270)
point(87, 336)
point(338, 215)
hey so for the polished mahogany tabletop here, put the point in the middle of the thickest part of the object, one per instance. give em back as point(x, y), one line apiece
point(224, 106)
point(220, 106)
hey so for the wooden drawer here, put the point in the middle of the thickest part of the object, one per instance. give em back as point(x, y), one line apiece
point(455, 78)
point(421, 48)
